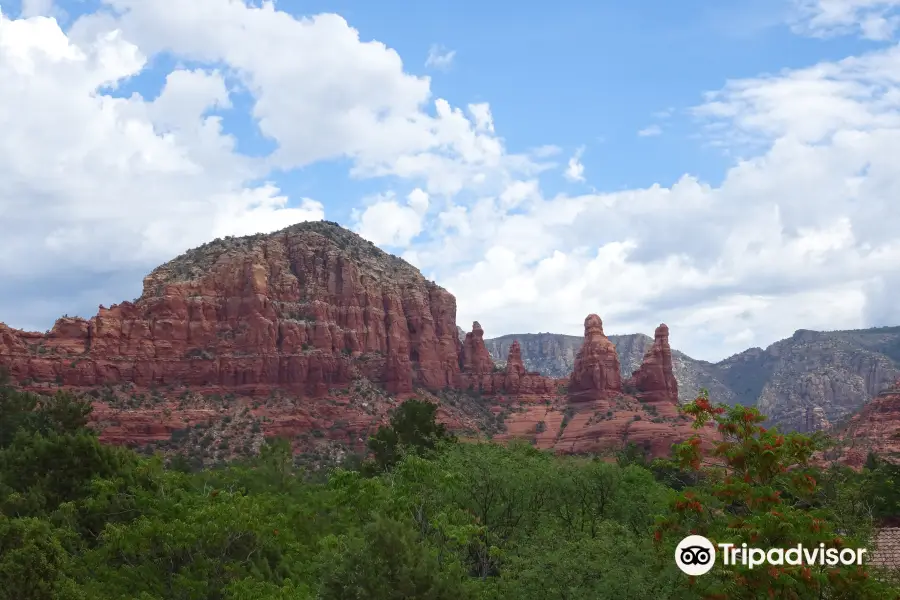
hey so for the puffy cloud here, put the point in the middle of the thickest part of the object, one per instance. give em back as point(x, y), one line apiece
point(386, 222)
point(94, 183)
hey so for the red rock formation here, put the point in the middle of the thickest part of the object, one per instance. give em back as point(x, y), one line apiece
point(603, 426)
point(312, 308)
point(655, 380)
point(519, 382)
point(479, 372)
point(305, 308)
point(475, 356)
point(876, 428)
point(597, 417)
point(514, 364)
point(596, 374)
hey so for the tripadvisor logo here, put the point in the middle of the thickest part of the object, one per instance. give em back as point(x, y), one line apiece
point(696, 555)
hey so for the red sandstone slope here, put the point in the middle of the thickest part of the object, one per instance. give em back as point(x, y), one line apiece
point(876, 428)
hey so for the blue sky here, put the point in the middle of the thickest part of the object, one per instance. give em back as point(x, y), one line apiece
point(669, 226)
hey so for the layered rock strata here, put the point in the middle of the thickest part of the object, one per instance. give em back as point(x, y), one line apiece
point(595, 376)
point(307, 308)
point(598, 416)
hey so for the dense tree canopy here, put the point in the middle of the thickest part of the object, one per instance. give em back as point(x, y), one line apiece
point(425, 518)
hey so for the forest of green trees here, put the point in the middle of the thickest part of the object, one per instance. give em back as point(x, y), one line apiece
point(423, 517)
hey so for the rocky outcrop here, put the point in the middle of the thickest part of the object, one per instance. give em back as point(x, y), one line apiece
point(518, 381)
point(514, 364)
point(876, 429)
point(553, 355)
point(597, 416)
point(654, 381)
point(475, 358)
point(604, 427)
point(814, 380)
point(811, 381)
point(307, 308)
point(479, 373)
point(596, 373)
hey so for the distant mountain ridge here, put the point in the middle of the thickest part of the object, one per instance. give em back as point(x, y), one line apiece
point(811, 381)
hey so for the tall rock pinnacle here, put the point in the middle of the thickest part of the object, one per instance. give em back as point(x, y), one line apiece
point(596, 371)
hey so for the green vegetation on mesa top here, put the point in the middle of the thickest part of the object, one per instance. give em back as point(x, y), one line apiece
point(424, 517)
point(197, 261)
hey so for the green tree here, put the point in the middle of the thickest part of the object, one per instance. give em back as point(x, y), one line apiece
point(881, 485)
point(387, 561)
point(34, 564)
point(615, 564)
point(40, 472)
point(62, 412)
point(413, 428)
point(277, 457)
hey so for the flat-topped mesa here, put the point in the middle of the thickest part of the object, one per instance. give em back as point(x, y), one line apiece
point(475, 357)
point(655, 380)
point(595, 375)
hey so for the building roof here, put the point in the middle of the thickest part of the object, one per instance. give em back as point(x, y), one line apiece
point(887, 549)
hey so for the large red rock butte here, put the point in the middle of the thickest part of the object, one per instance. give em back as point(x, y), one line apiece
point(655, 379)
point(596, 373)
point(305, 309)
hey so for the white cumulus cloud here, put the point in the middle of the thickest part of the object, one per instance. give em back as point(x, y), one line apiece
point(388, 222)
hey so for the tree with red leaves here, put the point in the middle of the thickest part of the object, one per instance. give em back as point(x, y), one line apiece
point(758, 485)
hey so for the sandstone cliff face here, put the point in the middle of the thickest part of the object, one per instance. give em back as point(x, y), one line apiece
point(875, 429)
point(302, 314)
point(307, 308)
point(475, 357)
point(818, 380)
